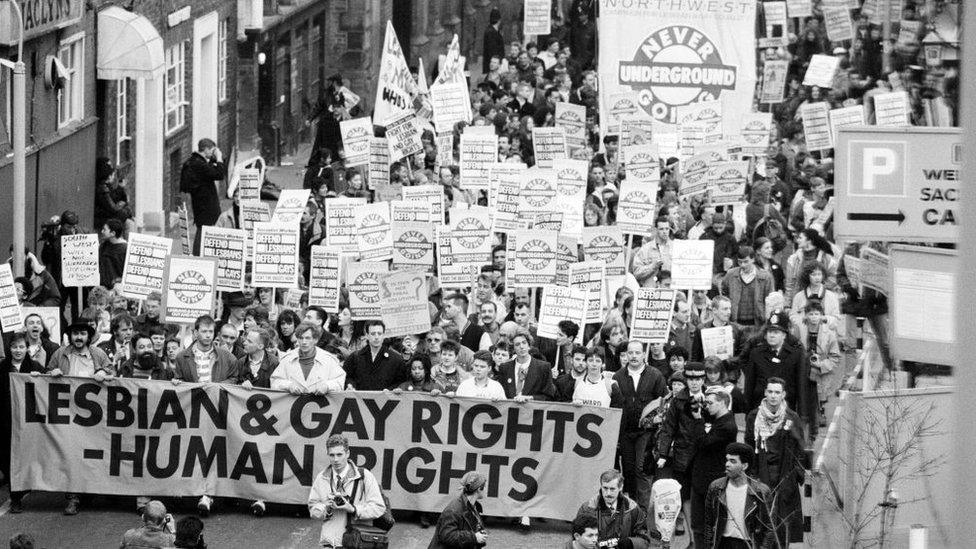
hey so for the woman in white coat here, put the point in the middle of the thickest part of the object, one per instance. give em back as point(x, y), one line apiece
point(306, 368)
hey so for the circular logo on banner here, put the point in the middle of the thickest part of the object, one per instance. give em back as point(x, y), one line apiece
point(636, 197)
point(412, 245)
point(188, 287)
point(373, 229)
point(573, 181)
point(354, 136)
point(538, 192)
point(649, 163)
point(535, 255)
point(676, 66)
point(755, 133)
point(605, 248)
point(470, 232)
point(366, 288)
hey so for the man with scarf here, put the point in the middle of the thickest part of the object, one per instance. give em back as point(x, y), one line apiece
point(620, 521)
point(774, 430)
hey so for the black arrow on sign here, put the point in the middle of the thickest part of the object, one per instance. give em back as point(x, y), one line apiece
point(899, 217)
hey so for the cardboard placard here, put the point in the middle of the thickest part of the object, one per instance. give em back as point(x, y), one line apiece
point(379, 162)
point(589, 276)
point(275, 255)
point(537, 17)
point(691, 264)
point(362, 281)
point(145, 263)
point(717, 342)
point(727, 182)
point(571, 195)
point(340, 219)
point(431, 195)
point(325, 275)
point(249, 184)
point(549, 145)
point(403, 136)
point(537, 193)
point(636, 207)
point(478, 153)
point(253, 211)
point(291, 205)
point(403, 303)
point(505, 180)
point(535, 258)
point(754, 130)
point(561, 303)
point(891, 109)
point(356, 136)
point(190, 289)
point(694, 175)
point(567, 253)
point(643, 164)
point(451, 105)
point(606, 244)
point(650, 320)
point(413, 245)
point(409, 212)
point(572, 119)
point(184, 229)
point(471, 235)
point(11, 316)
point(373, 238)
point(821, 71)
point(227, 247)
point(846, 116)
point(774, 81)
point(816, 126)
point(79, 260)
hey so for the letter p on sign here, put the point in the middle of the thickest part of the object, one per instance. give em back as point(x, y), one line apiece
point(882, 168)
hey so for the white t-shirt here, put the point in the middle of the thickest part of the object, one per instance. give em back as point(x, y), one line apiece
point(735, 496)
point(469, 388)
point(204, 362)
point(593, 394)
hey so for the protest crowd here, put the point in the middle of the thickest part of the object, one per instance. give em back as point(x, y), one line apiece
point(566, 251)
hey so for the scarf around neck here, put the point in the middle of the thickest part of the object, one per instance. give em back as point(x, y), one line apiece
point(768, 422)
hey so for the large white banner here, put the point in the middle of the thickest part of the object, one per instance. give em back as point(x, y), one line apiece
point(396, 87)
point(677, 53)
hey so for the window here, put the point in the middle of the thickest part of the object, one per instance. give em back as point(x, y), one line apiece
point(222, 60)
point(71, 98)
point(122, 137)
point(175, 81)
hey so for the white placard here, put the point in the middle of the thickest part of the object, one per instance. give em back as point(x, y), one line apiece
point(356, 136)
point(325, 275)
point(373, 238)
point(190, 288)
point(79, 260)
point(549, 145)
point(560, 303)
point(821, 70)
point(228, 247)
point(11, 316)
point(478, 153)
point(275, 255)
point(691, 264)
point(145, 263)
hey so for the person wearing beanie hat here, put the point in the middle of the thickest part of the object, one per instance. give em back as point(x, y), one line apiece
point(460, 525)
point(776, 355)
point(620, 521)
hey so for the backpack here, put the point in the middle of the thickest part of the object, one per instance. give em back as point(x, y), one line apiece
point(771, 228)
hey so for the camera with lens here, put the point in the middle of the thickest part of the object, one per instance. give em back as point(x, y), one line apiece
point(338, 500)
point(814, 359)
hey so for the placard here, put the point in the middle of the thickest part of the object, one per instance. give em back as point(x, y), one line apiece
point(691, 135)
point(606, 244)
point(445, 148)
point(451, 105)
point(79, 260)
point(643, 165)
point(691, 264)
point(356, 136)
point(547, 221)
point(432, 195)
point(821, 70)
point(190, 290)
point(478, 153)
point(227, 246)
point(535, 258)
point(891, 109)
point(754, 129)
point(799, 8)
point(708, 113)
point(816, 126)
point(253, 211)
point(727, 182)
point(325, 274)
point(471, 235)
point(249, 184)
point(379, 162)
point(450, 273)
point(548, 144)
point(838, 23)
point(537, 193)
point(560, 303)
point(291, 205)
point(773, 81)
point(413, 245)
point(403, 136)
point(395, 85)
point(589, 276)
point(636, 207)
point(184, 229)
point(571, 195)
point(275, 255)
point(505, 180)
point(694, 175)
point(11, 316)
point(636, 130)
point(650, 320)
point(875, 271)
point(621, 106)
point(362, 281)
point(537, 17)
point(845, 116)
point(373, 238)
point(572, 119)
point(774, 14)
point(908, 32)
point(718, 342)
point(567, 253)
point(145, 261)
point(403, 303)
point(340, 219)
point(409, 211)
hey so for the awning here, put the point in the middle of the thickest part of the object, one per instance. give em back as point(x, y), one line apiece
point(128, 46)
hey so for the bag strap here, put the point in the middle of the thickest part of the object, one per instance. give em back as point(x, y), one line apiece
point(355, 488)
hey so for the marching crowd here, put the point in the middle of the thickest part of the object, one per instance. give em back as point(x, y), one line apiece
point(779, 282)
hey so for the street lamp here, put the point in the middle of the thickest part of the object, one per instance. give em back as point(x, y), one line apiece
point(19, 137)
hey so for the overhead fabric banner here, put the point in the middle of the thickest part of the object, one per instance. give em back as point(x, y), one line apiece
point(137, 437)
point(677, 53)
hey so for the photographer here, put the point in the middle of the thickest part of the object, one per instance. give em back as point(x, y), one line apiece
point(620, 521)
point(460, 525)
point(155, 532)
point(342, 494)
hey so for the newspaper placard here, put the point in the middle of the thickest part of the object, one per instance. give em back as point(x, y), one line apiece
point(891, 109)
point(535, 258)
point(691, 264)
point(275, 255)
point(403, 136)
point(403, 303)
point(727, 182)
point(451, 105)
point(774, 13)
point(249, 184)
point(621, 106)
point(774, 81)
point(451, 273)
point(636, 130)
point(406, 211)
point(356, 136)
point(471, 235)
point(908, 32)
point(838, 23)
point(754, 129)
point(431, 195)
point(572, 119)
point(717, 342)
point(561, 303)
point(846, 116)
point(691, 136)
point(445, 148)
point(395, 86)
point(145, 261)
point(379, 162)
point(190, 288)
point(694, 175)
point(253, 211)
point(816, 126)
point(340, 222)
point(538, 17)
point(362, 281)
point(549, 144)
point(651, 314)
point(325, 274)
point(821, 71)
point(606, 244)
point(643, 164)
point(589, 276)
point(413, 245)
point(79, 260)
point(537, 193)
point(571, 195)
point(373, 238)
point(875, 271)
point(11, 316)
point(478, 153)
point(799, 8)
point(228, 247)
point(505, 181)
point(291, 205)
point(548, 221)
point(567, 253)
point(184, 225)
point(637, 206)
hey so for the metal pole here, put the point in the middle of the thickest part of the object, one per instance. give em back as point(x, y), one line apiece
point(885, 8)
point(19, 131)
point(964, 431)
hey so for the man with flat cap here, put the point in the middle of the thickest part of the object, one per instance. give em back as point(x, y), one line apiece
point(460, 525)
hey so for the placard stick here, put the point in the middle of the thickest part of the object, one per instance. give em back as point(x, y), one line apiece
point(555, 368)
point(532, 301)
point(627, 252)
point(81, 301)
